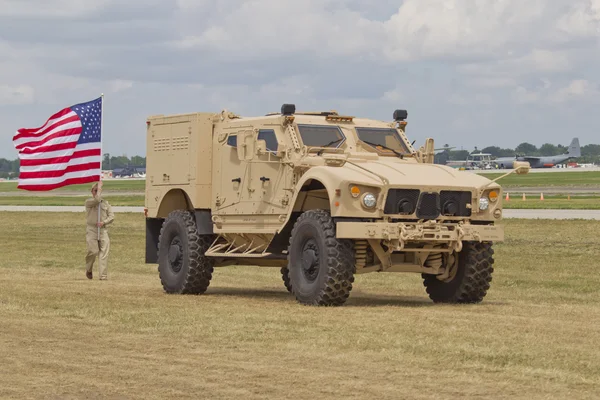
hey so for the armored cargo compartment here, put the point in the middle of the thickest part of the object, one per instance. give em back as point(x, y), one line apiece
point(178, 156)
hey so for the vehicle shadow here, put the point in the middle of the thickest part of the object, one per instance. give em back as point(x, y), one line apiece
point(355, 300)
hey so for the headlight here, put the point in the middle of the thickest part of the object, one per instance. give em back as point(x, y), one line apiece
point(484, 203)
point(369, 200)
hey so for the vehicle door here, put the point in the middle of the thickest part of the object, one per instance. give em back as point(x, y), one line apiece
point(230, 170)
point(270, 182)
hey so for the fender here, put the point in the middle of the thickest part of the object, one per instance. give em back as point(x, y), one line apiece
point(331, 178)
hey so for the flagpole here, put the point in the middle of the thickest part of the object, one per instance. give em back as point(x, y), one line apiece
point(101, 154)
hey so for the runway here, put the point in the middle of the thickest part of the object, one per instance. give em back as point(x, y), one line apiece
point(508, 213)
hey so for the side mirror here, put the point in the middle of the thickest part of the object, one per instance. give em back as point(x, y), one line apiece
point(521, 167)
point(261, 147)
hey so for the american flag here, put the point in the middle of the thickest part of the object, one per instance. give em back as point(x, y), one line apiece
point(66, 150)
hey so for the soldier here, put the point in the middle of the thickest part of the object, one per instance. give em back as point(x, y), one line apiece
point(97, 246)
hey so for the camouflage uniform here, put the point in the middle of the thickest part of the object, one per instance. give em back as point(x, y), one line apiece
point(106, 217)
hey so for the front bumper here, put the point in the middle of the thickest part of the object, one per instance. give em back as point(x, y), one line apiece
point(423, 232)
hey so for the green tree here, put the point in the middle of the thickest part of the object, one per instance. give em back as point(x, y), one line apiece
point(138, 161)
point(526, 149)
point(590, 150)
point(548, 149)
point(119, 162)
point(106, 161)
point(5, 165)
point(493, 150)
point(459, 155)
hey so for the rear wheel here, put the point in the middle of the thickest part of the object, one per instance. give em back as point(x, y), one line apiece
point(321, 267)
point(470, 281)
point(183, 267)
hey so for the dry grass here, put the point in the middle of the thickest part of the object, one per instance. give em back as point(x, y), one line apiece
point(535, 336)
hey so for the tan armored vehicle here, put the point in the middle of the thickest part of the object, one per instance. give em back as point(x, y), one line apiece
point(320, 195)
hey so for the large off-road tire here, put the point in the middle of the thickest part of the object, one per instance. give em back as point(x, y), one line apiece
point(472, 279)
point(285, 276)
point(183, 267)
point(321, 267)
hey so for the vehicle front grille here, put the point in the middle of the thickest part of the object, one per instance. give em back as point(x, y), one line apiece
point(401, 201)
point(429, 206)
point(454, 203)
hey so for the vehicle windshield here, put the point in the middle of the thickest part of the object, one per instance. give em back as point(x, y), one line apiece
point(386, 137)
point(321, 135)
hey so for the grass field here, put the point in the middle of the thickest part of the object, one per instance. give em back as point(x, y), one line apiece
point(62, 336)
point(124, 185)
point(115, 200)
point(566, 179)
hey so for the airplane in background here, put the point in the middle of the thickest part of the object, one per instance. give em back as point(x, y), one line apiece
point(574, 151)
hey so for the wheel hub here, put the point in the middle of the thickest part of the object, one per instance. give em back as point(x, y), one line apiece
point(310, 260)
point(176, 255)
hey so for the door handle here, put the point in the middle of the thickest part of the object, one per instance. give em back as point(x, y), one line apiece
point(264, 178)
point(238, 180)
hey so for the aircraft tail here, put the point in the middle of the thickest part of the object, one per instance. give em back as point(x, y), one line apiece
point(574, 149)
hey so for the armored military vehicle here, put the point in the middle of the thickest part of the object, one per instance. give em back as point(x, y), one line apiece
point(320, 195)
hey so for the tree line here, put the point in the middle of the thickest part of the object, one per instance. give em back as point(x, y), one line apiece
point(589, 153)
point(10, 168)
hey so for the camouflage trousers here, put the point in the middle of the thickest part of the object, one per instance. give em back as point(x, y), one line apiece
point(98, 249)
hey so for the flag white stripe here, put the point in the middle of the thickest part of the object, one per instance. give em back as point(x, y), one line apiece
point(68, 175)
point(55, 141)
point(36, 142)
point(61, 166)
point(53, 121)
point(60, 153)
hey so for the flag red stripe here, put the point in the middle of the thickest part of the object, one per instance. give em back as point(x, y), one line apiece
point(66, 132)
point(55, 174)
point(60, 160)
point(33, 136)
point(25, 132)
point(54, 147)
point(71, 181)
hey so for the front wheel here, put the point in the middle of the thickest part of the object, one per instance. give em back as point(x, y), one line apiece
point(285, 276)
point(471, 280)
point(321, 267)
point(183, 267)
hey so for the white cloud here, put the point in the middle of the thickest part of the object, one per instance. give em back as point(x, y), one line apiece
point(450, 59)
point(583, 20)
point(549, 93)
point(522, 95)
point(16, 95)
point(576, 89)
point(49, 9)
point(118, 85)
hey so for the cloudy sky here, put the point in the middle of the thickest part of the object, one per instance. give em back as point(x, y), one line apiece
point(470, 72)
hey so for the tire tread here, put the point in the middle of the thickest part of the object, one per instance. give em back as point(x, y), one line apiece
point(478, 268)
point(200, 268)
point(340, 261)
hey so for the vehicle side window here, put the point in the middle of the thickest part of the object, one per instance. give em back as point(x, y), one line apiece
point(232, 140)
point(268, 135)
